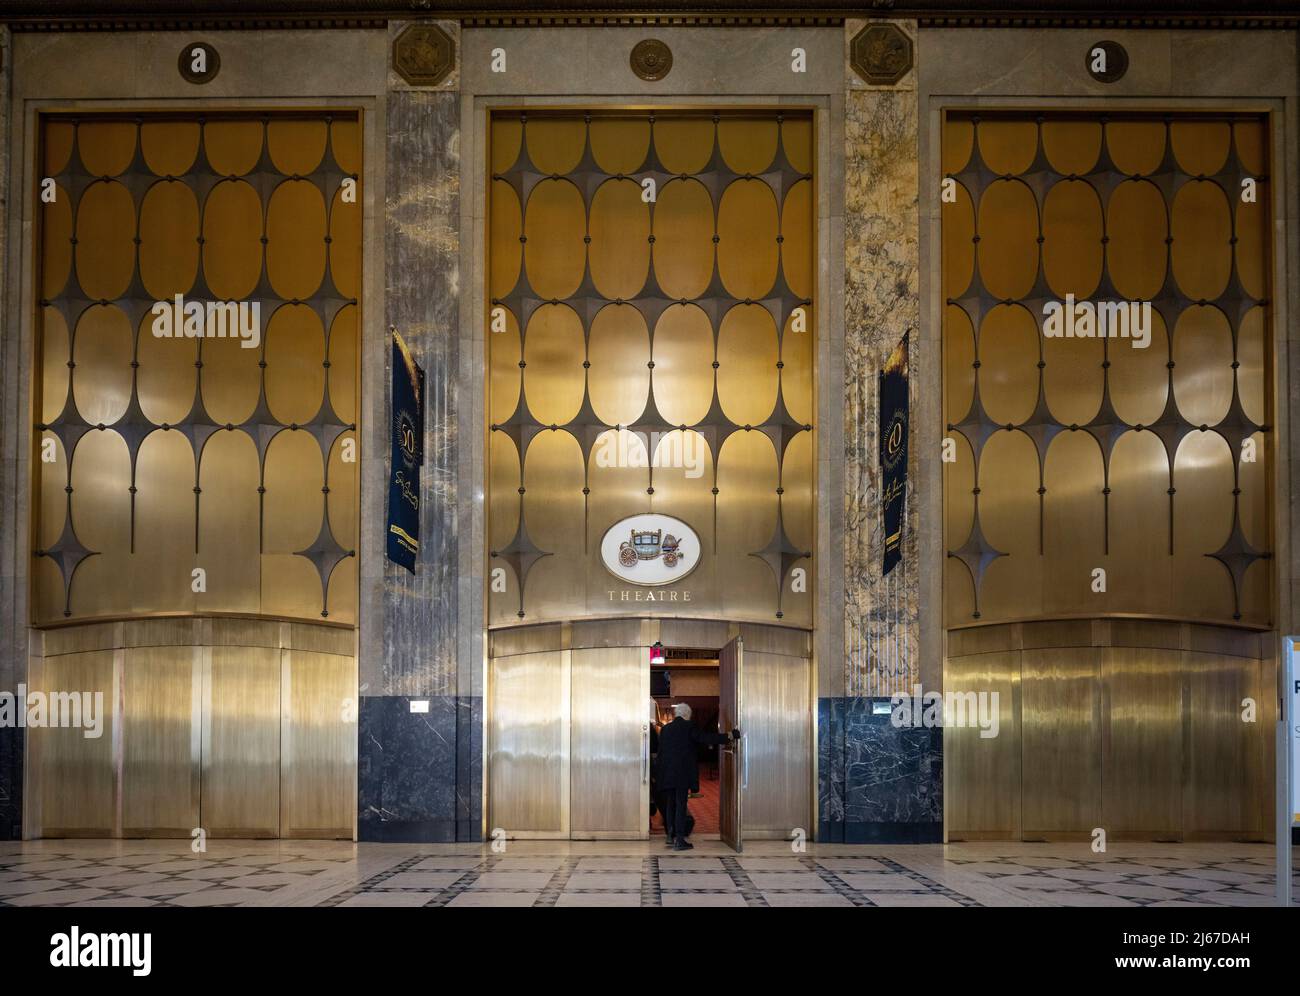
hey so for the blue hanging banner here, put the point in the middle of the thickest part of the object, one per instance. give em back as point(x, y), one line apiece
point(407, 457)
point(893, 453)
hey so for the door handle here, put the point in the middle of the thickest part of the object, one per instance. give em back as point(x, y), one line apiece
point(645, 754)
point(744, 760)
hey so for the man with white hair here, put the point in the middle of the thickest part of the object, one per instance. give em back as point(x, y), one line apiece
point(677, 772)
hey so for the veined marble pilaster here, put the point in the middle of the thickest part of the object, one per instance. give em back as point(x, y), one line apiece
point(419, 773)
point(882, 304)
point(878, 783)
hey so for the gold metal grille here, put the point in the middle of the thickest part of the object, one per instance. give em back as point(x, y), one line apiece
point(180, 453)
point(1083, 453)
point(651, 282)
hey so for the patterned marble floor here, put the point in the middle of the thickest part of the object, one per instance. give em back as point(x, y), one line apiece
point(563, 873)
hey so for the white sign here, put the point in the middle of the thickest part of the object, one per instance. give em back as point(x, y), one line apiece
point(650, 549)
point(1293, 678)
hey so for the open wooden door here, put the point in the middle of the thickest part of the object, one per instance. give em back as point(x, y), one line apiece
point(731, 756)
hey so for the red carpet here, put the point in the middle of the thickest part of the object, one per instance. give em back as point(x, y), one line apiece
point(703, 807)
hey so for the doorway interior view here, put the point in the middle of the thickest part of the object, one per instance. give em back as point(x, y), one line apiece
point(690, 677)
point(569, 728)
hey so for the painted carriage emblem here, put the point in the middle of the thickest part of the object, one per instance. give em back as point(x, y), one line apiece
point(650, 549)
point(650, 545)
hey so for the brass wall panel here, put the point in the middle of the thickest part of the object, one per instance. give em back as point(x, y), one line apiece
point(161, 721)
point(683, 228)
point(1143, 748)
point(1061, 734)
point(1072, 247)
point(318, 750)
point(683, 353)
point(619, 351)
point(1203, 376)
point(169, 146)
point(107, 146)
point(241, 742)
point(1009, 516)
point(1072, 379)
point(101, 519)
point(747, 358)
point(105, 256)
point(1139, 387)
point(215, 209)
point(1227, 757)
point(1008, 256)
point(75, 776)
point(296, 146)
point(295, 378)
point(102, 387)
point(1139, 529)
point(1071, 146)
point(1202, 519)
point(609, 784)
point(747, 477)
point(692, 633)
point(228, 552)
point(554, 382)
point(232, 226)
point(1135, 223)
point(169, 243)
point(982, 786)
point(619, 145)
point(684, 144)
point(1074, 523)
point(779, 640)
point(552, 504)
point(160, 570)
point(747, 143)
point(1138, 207)
point(528, 743)
point(748, 226)
point(776, 718)
point(620, 239)
point(674, 314)
point(296, 247)
point(555, 226)
point(796, 248)
point(1009, 346)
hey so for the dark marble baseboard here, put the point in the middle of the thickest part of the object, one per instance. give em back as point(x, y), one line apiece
point(419, 775)
point(11, 783)
point(877, 783)
point(880, 833)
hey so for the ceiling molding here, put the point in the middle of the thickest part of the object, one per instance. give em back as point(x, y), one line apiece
point(138, 15)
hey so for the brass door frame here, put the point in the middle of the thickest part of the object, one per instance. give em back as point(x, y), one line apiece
point(733, 758)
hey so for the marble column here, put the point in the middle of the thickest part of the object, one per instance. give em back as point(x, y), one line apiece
point(13, 417)
point(878, 783)
point(419, 771)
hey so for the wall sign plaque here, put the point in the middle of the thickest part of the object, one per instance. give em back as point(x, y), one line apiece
point(652, 59)
point(881, 54)
point(424, 55)
point(199, 62)
point(650, 549)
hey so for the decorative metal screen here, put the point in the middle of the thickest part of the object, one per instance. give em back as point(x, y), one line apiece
point(651, 282)
point(196, 473)
point(1083, 453)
